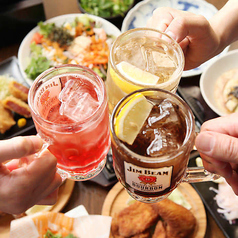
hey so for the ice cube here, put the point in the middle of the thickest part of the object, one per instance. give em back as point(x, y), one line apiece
point(158, 59)
point(165, 130)
point(76, 101)
point(72, 87)
point(130, 52)
point(170, 110)
point(164, 113)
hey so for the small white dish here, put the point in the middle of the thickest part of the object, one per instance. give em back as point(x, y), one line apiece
point(210, 76)
point(24, 49)
point(141, 12)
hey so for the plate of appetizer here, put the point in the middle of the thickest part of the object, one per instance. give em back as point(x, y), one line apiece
point(183, 204)
point(15, 117)
point(67, 39)
point(219, 84)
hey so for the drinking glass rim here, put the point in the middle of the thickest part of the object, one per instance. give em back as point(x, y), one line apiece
point(88, 119)
point(169, 155)
point(111, 57)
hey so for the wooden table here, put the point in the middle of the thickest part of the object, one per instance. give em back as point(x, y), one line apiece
point(92, 195)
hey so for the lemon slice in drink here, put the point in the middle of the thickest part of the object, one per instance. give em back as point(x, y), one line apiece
point(38, 208)
point(135, 75)
point(131, 118)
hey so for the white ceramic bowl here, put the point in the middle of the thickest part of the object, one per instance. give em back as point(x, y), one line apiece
point(212, 73)
point(24, 49)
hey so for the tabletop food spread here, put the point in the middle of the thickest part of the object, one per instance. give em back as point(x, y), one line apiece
point(86, 40)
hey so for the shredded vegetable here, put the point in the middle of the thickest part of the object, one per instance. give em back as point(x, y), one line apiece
point(227, 201)
point(79, 42)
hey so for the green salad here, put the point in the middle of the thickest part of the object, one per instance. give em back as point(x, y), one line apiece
point(80, 41)
point(106, 8)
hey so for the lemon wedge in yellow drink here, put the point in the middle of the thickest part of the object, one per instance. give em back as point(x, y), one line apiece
point(135, 75)
point(132, 117)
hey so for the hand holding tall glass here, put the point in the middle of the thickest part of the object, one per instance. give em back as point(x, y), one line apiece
point(70, 111)
point(142, 58)
point(153, 133)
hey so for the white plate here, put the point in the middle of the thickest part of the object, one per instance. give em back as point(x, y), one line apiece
point(24, 50)
point(141, 12)
point(212, 73)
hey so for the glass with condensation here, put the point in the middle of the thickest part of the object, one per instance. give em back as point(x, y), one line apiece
point(70, 111)
point(156, 162)
point(142, 58)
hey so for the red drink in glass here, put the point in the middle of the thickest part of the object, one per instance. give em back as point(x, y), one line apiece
point(70, 112)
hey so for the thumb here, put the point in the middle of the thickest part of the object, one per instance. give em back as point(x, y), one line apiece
point(218, 146)
point(19, 147)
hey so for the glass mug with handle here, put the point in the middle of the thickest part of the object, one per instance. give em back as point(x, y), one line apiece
point(142, 58)
point(70, 111)
point(153, 133)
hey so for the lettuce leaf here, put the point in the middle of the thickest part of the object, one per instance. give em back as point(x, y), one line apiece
point(37, 66)
point(45, 29)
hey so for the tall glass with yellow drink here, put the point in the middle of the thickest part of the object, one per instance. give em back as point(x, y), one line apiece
point(142, 58)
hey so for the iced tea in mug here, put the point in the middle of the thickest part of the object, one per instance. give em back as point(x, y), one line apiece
point(142, 58)
point(153, 132)
point(70, 111)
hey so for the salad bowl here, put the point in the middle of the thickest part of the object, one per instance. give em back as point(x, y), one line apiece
point(25, 54)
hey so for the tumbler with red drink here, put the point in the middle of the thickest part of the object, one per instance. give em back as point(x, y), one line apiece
point(70, 112)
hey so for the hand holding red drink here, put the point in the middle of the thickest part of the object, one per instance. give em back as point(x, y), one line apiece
point(70, 112)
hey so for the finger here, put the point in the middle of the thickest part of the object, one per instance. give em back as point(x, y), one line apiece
point(226, 125)
point(232, 181)
point(225, 172)
point(186, 24)
point(184, 44)
point(218, 146)
point(40, 175)
point(51, 199)
point(18, 147)
point(215, 163)
point(12, 165)
point(161, 18)
point(46, 164)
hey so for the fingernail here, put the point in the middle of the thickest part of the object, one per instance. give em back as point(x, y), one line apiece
point(171, 34)
point(205, 142)
point(37, 142)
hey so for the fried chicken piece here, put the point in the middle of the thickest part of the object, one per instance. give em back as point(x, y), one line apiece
point(160, 231)
point(6, 119)
point(178, 221)
point(134, 220)
point(17, 105)
point(145, 234)
point(18, 90)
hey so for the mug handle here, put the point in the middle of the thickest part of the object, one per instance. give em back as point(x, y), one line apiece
point(199, 174)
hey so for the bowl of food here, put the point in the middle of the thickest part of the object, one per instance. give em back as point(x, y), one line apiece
point(67, 39)
point(219, 84)
point(111, 10)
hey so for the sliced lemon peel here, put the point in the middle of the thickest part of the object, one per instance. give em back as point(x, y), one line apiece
point(132, 117)
point(135, 75)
